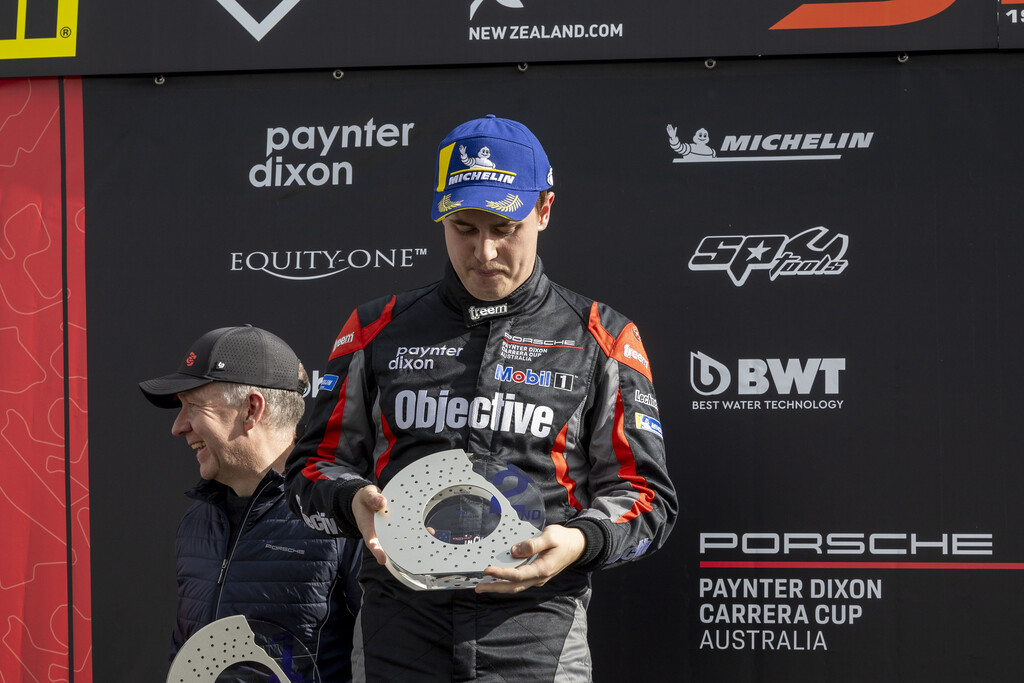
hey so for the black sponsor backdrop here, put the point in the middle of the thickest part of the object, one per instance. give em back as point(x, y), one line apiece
point(140, 36)
point(1011, 25)
point(926, 316)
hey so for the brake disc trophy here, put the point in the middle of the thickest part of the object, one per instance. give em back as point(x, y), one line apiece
point(242, 649)
point(452, 514)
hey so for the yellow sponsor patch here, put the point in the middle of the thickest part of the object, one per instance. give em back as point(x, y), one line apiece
point(62, 42)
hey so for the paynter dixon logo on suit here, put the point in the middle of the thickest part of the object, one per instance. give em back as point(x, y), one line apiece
point(769, 146)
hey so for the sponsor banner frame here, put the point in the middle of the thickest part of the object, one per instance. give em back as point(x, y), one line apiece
point(143, 36)
point(866, 450)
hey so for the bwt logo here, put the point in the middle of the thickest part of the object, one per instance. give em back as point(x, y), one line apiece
point(812, 252)
point(755, 376)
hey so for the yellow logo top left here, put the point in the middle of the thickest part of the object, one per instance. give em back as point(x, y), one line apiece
point(42, 28)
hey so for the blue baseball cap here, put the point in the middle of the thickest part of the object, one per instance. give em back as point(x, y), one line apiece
point(491, 164)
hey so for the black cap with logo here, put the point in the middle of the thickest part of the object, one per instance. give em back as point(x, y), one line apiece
point(241, 355)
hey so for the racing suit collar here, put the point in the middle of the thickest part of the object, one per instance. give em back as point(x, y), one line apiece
point(475, 312)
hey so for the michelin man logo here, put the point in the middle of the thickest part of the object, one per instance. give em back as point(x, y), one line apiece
point(516, 4)
point(697, 151)
point(481, 160)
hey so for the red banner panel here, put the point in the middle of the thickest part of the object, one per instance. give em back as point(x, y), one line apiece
point(44, 494)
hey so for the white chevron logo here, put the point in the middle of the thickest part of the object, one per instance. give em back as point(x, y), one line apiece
point(258, 29)
point(507, 3)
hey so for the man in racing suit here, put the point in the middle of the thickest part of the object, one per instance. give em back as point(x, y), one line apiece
point(497, 360)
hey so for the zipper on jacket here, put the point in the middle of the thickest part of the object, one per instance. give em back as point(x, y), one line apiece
point(231, 550)
point(223, 571)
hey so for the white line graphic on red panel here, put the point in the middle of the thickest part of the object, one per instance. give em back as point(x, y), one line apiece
point(258, 29)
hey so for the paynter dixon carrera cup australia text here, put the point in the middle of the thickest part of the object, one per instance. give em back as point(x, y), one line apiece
point(799, 613)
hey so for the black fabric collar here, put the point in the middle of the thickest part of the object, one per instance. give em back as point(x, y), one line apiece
point(476, 312)
point(214, 492)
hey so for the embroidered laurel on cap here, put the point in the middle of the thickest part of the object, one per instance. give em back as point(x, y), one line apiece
point(491, 164)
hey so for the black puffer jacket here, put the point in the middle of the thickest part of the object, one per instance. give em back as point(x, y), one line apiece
point(279, 572)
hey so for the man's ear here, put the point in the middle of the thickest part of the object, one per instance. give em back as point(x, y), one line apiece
point(545, 212)
point(255, 406)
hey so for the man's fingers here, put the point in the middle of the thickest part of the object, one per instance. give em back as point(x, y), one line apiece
point(378, 552)
point(509, 580)
point(531, 546)
point(521, 550)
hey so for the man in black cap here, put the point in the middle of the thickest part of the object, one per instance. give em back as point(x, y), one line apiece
point(498, 361)
point(239, 549)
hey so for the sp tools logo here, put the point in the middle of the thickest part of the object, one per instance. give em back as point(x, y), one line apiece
point(258, 29)
point(811, 252)
point(38, 30)
point(766, 146)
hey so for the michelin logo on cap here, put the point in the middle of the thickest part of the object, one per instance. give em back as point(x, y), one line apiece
point(479, 168)
point(481, 160)
point(490, 164)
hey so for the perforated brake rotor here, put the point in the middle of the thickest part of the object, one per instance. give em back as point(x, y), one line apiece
point(217, 646)
point(425, 561)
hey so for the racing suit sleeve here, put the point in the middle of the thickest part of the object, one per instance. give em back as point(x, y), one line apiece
point(334, 457)
point(633, 502)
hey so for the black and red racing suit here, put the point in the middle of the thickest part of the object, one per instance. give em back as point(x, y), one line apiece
point(548, 380)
